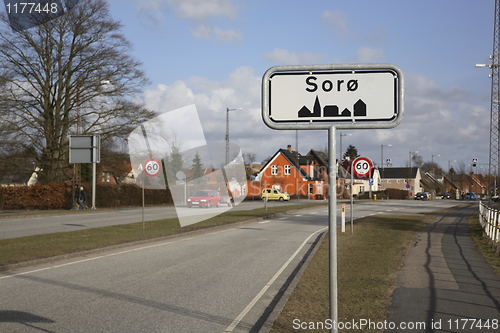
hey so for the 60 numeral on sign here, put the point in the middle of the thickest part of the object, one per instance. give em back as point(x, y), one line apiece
point(152, 167)
point(362, 166)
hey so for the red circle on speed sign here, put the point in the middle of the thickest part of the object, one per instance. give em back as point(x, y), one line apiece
point(362, 166)
point(152, 167)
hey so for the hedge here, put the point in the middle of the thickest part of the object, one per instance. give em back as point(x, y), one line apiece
point(60, 196)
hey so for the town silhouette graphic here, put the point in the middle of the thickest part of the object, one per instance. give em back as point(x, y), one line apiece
point(333, 110)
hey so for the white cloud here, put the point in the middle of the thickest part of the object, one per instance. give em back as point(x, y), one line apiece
point(191, 9)
point(340, 25)
point(240, 90)
point(200, 12)
point(338, 22)
point(285, 57)
point(167, 98)
point(202, 9)
point(368, 54)
point(207, 32)
point(336, 18)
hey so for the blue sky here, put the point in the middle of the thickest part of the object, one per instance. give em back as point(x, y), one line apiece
point(213, 53)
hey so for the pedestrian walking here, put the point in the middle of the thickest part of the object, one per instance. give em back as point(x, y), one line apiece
point(82, 198)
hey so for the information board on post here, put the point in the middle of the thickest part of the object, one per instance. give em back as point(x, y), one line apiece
point(315, 97)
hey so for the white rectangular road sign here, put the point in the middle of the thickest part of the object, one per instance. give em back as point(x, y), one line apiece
point(319, 96)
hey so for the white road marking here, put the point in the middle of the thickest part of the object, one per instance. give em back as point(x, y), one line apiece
point(243, 313)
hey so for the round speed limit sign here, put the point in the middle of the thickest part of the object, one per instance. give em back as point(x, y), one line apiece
point(362, 166)
point(152, 167)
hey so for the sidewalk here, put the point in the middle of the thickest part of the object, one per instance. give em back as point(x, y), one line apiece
point(445, 285)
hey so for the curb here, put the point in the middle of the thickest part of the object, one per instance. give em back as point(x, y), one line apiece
point(289, 288)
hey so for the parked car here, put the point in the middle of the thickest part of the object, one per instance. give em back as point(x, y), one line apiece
point(421, 196)
point(470, 196)
point(446, 196)
point(274, 194)
point(204, 198)
point(494, 198)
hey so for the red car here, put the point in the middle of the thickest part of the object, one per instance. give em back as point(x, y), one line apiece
point(204, 198)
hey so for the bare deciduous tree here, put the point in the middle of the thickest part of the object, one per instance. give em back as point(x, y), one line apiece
point(72, 75)
point(249, 157)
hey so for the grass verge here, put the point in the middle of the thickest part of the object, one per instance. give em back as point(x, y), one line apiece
point(368, 265)
point(28, 248)
point(482, 245)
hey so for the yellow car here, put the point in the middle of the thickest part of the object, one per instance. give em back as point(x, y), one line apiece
point(274, 194)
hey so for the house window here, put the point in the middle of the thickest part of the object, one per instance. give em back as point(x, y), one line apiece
point(361, 189)
point(388, 181)
point(398, 181)
point(318, 188)
point(274, 170)
point(287, 170)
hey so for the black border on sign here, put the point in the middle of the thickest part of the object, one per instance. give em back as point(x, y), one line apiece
point(329, 121)
point(329, 124)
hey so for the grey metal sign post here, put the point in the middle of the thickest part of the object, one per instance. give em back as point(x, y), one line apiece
point(86, 149)
point(331, 97)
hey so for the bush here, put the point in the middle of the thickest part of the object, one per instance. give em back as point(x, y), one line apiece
point(60, 196)
point(52, 196)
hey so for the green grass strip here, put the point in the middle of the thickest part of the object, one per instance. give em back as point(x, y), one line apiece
point(28, 248)
point(368, 265)
point(483, 245)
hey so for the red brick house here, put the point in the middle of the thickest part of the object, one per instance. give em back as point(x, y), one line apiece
point(293, 173)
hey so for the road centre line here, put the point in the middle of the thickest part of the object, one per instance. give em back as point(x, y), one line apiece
point(243, 313)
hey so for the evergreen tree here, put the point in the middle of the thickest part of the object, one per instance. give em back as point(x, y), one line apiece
point(173, 163)
point(351, 153)
point(197, 167)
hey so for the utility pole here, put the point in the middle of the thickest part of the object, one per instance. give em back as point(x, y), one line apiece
point(227, 132)
point(494, 166)
point(495, 97)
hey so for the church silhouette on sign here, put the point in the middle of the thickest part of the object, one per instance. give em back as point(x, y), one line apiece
point(331, 111)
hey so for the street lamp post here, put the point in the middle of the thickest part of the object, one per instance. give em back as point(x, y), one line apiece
point(382, 155)
point(432, 162)
point(341, 135)
point(227, 132)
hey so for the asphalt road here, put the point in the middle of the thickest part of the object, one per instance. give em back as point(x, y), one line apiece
point(220, 281)
point(35, 223)
point(12, 226)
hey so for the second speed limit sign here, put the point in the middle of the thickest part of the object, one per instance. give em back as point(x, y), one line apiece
point(362, 166)
point(152, 167)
